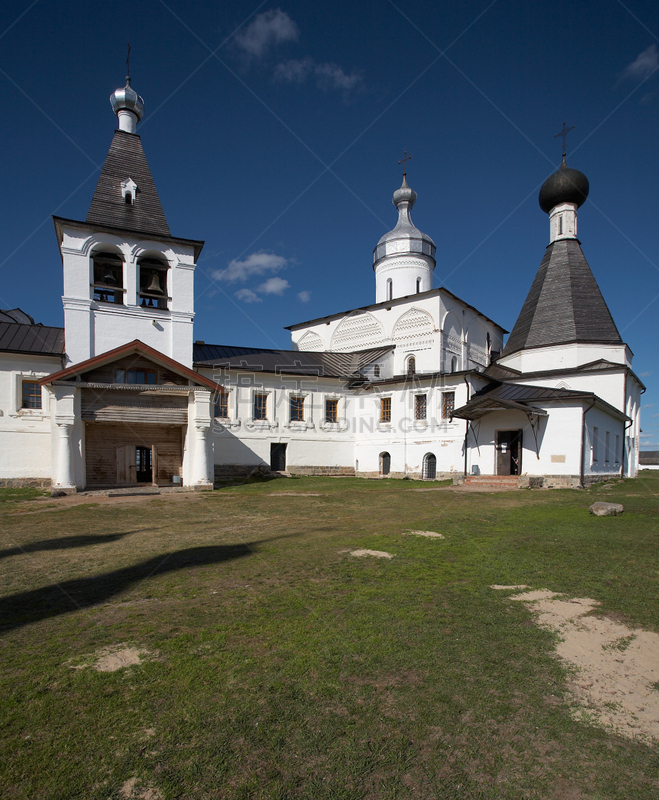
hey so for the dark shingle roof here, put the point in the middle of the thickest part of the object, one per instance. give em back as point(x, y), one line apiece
point(501, 396)
point(564, 304)
point(41, 339)
point(650, 457)
point(291, 362)
point(124, 160)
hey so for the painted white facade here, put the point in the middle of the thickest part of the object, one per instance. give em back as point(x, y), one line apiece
point(94, 327)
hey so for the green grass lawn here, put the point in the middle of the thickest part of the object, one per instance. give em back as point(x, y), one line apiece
point(282, 667)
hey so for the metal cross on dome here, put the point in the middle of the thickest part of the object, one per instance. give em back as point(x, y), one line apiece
point(403, 160)
point(564, 134)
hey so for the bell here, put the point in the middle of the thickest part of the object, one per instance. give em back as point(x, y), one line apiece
point(109, 279)
point(154, 286)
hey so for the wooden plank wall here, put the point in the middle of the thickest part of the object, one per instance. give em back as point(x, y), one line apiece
point(103, 440)
point(106, 405)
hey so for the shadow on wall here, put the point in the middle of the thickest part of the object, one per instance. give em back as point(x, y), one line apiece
point(25, 608)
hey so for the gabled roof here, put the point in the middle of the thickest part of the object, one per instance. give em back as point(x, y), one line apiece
point(290, 362)
point(509, 396)
point(564, 304)
point(125, 160)
point(36, 339)
point(649, 457)
point(136, 346)
point(390, 303)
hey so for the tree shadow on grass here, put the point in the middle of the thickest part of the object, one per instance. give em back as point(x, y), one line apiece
point(25, 608)
point(62, 543)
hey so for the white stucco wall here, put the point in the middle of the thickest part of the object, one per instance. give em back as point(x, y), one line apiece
point(24, 432)
point(93, 327)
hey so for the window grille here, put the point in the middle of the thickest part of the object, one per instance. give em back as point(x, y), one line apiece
point(221, 405)
point(448, 404)
point(411, 365)
point(385, 409)
point(297, 409)
point(31, 394)
point(260, 406)
point(420, 406)
point(331, 410)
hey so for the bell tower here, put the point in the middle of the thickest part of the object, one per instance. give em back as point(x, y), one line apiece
point(125, 276)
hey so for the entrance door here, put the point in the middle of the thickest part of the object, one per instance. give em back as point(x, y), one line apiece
point(385, 463)
point(143, 465)
point(509, 452)
point(278, 457)
point(429, 466)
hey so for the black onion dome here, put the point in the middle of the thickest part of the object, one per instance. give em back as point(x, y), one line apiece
point(566, 185)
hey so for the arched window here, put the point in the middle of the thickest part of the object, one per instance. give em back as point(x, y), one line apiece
point(108, 277)
point(411, 365)
point(454, 364)
point(390, 289)
point(429, 467)
point(376, 371)
point(418, 285)
point(385, 463)
point(152, 282)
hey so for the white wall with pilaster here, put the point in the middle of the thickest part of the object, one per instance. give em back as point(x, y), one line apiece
point(25, 433)
point(67, 432)
point(93, 327)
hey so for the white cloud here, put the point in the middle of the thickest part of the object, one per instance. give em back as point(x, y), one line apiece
point(647, 405)
point(304, 296)
point(644, 374)
point(268, 29)
point(294, 71)
point(331, 76)
point(255, 264)
point(328, 76)
point(273, 286)
point(644, 65)
point(248, 296)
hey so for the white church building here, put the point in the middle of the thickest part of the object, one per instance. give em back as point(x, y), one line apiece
point(418, 384)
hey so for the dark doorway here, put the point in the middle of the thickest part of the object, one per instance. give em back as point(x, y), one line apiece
point(509, 452)
point(429, 467)
point(385, 463)
point(278, 457)
point(143, 465)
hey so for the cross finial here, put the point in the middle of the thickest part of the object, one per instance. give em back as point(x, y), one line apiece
point(403, 160)
point(128, 65)
point(564, 134)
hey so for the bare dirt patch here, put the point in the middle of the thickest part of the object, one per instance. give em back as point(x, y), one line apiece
point(427, 534)
point(70, 500)
point(374, 553)
point(131, 790)
point(617, 667)
point(110, 659)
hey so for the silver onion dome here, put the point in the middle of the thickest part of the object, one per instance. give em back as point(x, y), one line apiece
point(127, 98)
point(405, 237)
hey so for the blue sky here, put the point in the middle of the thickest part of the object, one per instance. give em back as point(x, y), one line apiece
point(273, 132)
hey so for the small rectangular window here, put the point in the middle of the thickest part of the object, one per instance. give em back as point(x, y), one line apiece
point(607, 446)
point(31, 394)
point(260, 406)
point(138, 376)
point(331, 410)
point(385, 409)
point(297, 409)
point(221, 405)
point(616, 455)
point(420, 406)
point(448, 404)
